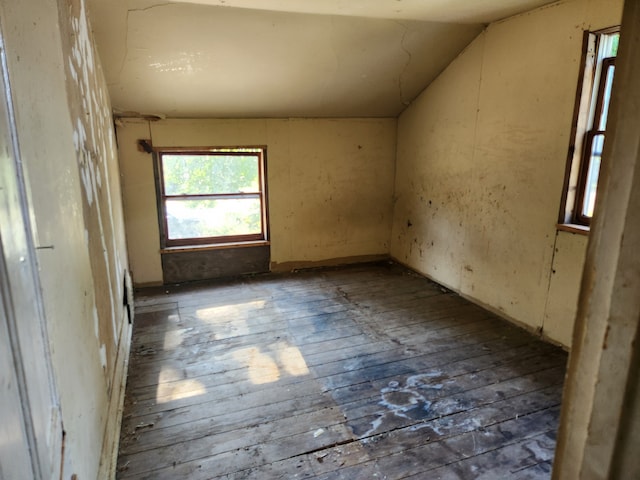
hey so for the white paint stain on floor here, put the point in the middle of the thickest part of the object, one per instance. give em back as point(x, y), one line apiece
point(398, 399)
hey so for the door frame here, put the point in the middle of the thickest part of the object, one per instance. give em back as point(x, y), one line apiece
point(27, 366)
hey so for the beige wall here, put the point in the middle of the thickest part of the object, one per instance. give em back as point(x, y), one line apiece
point(480, 164)
point(330, 185)
point(65, 132)
point(564, 286)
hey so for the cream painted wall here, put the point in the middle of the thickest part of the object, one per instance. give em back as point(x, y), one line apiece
point(564, 286)
point(330, 185)
point(139, 202)
point(66, 138)
point(480, 164)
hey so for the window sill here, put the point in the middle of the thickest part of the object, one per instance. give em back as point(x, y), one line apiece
point(573, 228)
point(214, 246)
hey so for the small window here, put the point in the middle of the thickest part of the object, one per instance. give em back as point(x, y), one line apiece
point(589, 134)
point(212, 196)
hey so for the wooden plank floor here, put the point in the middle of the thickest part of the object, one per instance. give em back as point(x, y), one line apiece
point(355, 373)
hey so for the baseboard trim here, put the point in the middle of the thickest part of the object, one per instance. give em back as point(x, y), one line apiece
point(111, 437)
point(332, 262)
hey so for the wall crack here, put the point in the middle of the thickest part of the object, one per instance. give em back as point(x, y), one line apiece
point(402, 73)
point(157, 5)
point(126, 31)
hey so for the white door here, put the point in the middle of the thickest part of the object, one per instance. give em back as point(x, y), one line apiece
point(30, 423)
point(15, 461)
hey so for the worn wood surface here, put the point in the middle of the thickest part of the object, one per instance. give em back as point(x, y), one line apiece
point(354, 373)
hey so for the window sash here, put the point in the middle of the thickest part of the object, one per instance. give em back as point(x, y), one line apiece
point(603, 96)
point(213, 160)
point(589, 174)
point(593, 142)
point(167, 241)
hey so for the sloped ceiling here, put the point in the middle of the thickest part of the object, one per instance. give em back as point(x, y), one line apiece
point(282, 58)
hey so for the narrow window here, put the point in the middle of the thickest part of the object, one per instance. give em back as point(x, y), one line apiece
point(212, 196)
point(593, 99)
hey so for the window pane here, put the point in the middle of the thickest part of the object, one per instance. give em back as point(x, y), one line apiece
point(611, 45)
point(213, 218)
point(203, 174)
point(606, 97)
point(592, 175)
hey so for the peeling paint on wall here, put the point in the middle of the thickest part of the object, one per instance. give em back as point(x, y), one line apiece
point(93, 140)
point(71, 172)
point(97, 163)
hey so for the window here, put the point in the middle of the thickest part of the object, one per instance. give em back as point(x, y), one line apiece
point(212, 196)
point(592, 105)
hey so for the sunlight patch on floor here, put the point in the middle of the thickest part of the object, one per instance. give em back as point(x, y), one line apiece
point(171, 386)
point(268, 366)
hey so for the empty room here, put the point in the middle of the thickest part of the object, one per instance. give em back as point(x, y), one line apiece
point(255, 239)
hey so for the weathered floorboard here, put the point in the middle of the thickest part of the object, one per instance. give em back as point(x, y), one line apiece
point(361, 372)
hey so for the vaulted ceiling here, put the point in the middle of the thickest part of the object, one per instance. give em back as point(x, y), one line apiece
point(282, 58)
